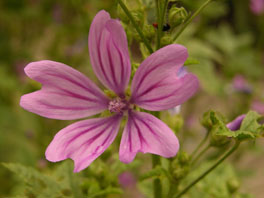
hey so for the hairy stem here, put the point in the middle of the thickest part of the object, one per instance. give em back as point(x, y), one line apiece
point(161, 11)
point(200, 145)
point(158, 17)
point(190, 19)
point(216, 164)
point(145, 41)
point(200, 154)
point(157, 189)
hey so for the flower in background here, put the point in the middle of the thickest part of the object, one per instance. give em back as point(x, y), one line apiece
point(240, 84)
point(257, 6)
point(127, 179)
point(258, 106)
point(67, 94)
point(236, 123)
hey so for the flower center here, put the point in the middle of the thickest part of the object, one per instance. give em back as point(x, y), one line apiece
point(118, 105)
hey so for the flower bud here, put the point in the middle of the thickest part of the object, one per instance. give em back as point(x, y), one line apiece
point(149, 32)
point(165, 40)
point(233, 185)
point(180, 173)
point(184, 158)
point(175, 122)
point(177, 16)
point(218, 140)
point(180, 166)
point(207, 120)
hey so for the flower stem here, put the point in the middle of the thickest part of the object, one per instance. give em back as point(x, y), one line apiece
point(200, 145)
point(165, 5)
point(227, 154)
point(190, 19)
point(200, 154)
point(158, 15)
point(157, 189)
point(145, 41)
point(161, 11)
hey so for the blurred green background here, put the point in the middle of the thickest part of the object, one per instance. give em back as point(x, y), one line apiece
point(227, 39)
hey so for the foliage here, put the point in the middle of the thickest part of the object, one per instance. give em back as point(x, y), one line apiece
point(224, 41)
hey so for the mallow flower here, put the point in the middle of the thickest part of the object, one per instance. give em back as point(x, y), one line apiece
point(257, 6)
point(67, 94)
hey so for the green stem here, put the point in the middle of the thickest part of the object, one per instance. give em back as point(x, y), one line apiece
point(136, 26)
point(158, 14)
point(172, 190)
point(190, 19)
point(157, 189)
point(200, 145)
point(161, 11)
point(165, 5)
point(200, 154)
point(74, 185)
point(227, 154)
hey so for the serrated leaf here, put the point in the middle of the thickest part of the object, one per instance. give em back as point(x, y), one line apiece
point(36, 183)
point(250, 122)
point(240, 135)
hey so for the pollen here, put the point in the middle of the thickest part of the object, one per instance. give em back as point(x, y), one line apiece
point(117, 105)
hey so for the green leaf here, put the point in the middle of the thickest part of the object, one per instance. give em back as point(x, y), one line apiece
point(239, 135)
point(37, 184)
point(250, 122)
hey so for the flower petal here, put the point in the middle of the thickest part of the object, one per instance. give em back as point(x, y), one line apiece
point(236, 123)
point(66, 93)
point(109, 52)
point(161, 82)
point(145, 133)
point(83, 141)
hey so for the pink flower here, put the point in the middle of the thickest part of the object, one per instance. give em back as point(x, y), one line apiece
point(67, 94)
point(236, 123)
point(240, 84)
point(258, 106)
point(127, 179)
point(257, 6)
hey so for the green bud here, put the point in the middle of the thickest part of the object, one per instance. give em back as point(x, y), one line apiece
point(184, 158)
point(218, 140)
point(165, 40)
point(233, 185)
point(175, 122)
point(177, 16)
point(180, 173)
point(208, 119)
point(149, 32)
